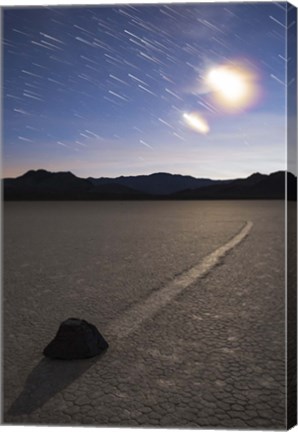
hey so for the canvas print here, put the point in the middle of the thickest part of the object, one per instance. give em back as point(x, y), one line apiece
point(149, 215)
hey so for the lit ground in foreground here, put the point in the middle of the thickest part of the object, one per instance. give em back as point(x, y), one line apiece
point(211, 356)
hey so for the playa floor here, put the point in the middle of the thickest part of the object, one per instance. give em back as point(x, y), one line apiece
point(211, 353)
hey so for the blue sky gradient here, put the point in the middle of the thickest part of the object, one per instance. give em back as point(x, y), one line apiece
point(101, 91)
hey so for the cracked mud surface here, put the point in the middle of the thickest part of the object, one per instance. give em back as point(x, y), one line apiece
point(212, 357)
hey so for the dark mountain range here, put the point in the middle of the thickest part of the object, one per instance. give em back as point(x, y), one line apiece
point(45, 185)
point(42, 184)
point(158, 183)
point(256, 186)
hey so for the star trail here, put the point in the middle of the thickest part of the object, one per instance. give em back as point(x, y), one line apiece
point(123, 90)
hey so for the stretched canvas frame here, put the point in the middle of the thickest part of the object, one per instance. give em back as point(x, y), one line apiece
point(57, 393)
point(292, 224)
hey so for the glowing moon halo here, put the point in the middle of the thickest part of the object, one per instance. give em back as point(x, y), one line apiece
point(196, 122)
point(233, 87)
point(228, 83)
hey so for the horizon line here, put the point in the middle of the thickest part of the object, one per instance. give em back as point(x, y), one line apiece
point(147, 175)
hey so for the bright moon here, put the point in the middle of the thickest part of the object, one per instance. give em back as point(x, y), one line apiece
point(196, 122)
point(233, 87)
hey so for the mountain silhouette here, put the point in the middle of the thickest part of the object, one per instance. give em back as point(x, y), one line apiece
point(44, 185)
point(256, 186)
point(157, 183)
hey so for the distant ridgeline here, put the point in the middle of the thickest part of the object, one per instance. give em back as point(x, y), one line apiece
point(45, 185)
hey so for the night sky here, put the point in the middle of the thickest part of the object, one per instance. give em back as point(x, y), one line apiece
point(196, 89)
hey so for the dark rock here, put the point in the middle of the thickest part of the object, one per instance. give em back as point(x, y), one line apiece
point(76, 339)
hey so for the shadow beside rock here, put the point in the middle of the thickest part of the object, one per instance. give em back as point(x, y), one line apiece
point(45, 380)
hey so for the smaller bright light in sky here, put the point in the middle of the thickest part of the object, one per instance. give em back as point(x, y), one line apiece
point(233, 87)
point(196, 122)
